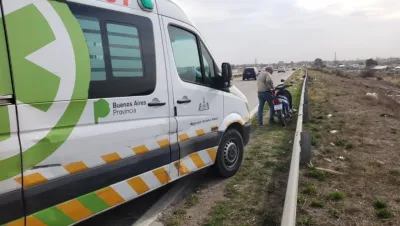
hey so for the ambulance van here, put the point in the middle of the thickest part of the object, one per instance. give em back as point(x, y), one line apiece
point(103, 101)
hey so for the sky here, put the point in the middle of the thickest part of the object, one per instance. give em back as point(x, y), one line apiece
point(240, 31)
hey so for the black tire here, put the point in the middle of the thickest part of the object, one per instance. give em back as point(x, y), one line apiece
point(288, 95)
point(227, 164)
point(281, 117)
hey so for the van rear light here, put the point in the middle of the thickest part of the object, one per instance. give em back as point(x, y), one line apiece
point(276, 101)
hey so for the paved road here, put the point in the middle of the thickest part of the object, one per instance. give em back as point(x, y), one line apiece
point(127, 214)
point(249, 87)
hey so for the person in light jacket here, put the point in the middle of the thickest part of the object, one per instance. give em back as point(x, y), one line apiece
point(265, 87)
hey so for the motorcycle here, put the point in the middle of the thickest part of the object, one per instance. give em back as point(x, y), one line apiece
point(283, 104)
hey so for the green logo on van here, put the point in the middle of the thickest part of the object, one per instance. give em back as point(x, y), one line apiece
point(18, 21)
point(101, 110)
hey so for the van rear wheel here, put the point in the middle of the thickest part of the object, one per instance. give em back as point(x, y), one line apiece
point(230, 154)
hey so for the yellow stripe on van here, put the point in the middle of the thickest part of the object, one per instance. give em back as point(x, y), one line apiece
point(74, 210)
point(32, 179)
point(20, 222)
point(200, 132)
point(181, 167)
point(30, 221)
point(162, 175)
point(212, 153)
point(140, 149)
point(197, 160)
point(163, 143)
point(75, 167)
point(183, 137)
point(110, 158)
point(138, 185)
point(109, 196)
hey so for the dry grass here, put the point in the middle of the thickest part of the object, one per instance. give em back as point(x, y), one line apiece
point(368, 146)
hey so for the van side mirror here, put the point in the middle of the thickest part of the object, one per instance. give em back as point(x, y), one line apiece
point(226, 74)
point(282, 80)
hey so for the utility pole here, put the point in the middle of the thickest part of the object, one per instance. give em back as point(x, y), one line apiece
point(255, 62)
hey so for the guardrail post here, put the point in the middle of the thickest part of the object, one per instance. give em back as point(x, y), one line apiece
point(305, 151)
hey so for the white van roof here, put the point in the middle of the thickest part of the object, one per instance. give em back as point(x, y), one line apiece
point(170, 8)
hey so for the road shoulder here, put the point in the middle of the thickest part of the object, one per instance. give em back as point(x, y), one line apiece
point(254, 196)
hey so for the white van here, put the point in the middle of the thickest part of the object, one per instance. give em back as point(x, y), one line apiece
point(102, 101)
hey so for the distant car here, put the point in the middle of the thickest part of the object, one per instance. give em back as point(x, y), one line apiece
point(281, 69)
point(250, 72)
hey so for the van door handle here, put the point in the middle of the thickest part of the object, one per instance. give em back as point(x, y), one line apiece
point(155, 103)
point(184, 101)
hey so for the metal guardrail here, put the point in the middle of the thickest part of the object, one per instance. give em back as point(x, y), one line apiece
point(290, 206)
point(236, 75)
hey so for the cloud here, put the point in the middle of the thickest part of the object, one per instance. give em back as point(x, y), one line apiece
point(378, 9)
point(239, 31)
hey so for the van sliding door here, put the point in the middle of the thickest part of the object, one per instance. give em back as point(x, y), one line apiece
point(10, 159)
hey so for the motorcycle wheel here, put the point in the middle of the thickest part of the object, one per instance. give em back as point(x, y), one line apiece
point(281, 117)
point(288, 95)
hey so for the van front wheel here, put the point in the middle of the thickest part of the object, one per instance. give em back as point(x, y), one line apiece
point(230, 154)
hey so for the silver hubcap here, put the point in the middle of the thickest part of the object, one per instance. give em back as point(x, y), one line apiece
point(231, 154)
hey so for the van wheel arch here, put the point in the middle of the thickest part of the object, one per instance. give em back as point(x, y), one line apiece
point(237, 126)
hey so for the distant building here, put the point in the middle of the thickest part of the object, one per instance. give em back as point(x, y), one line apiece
point(380, 68)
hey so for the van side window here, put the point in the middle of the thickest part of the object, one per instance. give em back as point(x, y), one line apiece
point(208, 62)
point(121, 50)
point(126, 59)
point(91, 29)
point(186, 54)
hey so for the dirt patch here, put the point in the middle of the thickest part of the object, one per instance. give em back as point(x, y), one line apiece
point(255, 195)
point(203, 192)
point(364, 151)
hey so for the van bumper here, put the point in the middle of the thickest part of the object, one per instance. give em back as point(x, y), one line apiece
point(246, 133)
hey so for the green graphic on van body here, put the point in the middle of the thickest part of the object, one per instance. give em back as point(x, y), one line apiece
point(5, 78)
point(60, 132)
point(101, 110)
point(26, 37)
point(4, 123)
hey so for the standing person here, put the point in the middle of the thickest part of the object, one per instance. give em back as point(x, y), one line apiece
point(265, 87)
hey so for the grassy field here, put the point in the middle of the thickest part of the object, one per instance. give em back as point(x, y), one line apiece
point(354, 178)
point(255, 195)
